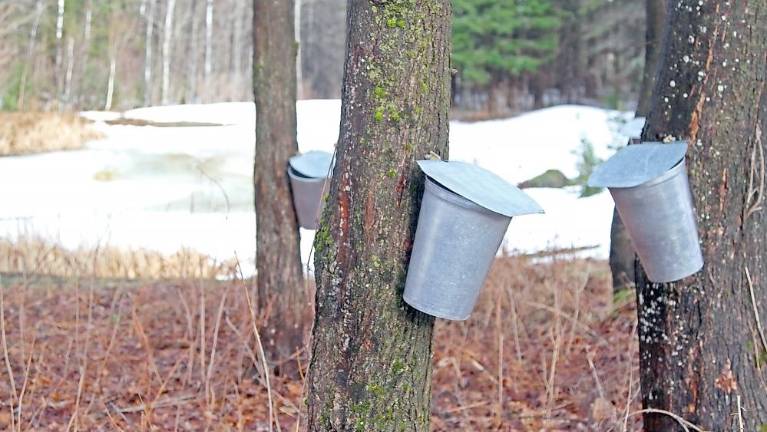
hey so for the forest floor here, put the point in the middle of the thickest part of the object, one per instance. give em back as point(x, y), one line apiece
point(548, 348)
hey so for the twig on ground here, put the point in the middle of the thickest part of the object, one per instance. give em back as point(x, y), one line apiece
point(756, 310)
point(577, 302)
point(139, 328)
point(26, 380)
point(74, 420)
point(110, 345)
point(263, 356)
point(590, 359)
point(686, 425)
point(14, 396)
point(208, 387)
point(157, 404)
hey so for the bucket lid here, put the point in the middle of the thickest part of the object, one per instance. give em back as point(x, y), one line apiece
point(313, 164)
point(481, 187)
point(638, 164)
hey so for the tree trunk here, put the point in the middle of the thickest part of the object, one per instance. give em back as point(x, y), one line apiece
point(150, 11)
point(622, 255)
point(371, 353)
point(69, 71)
point(299, 65)
point(61, 5)
point(110, 82)
point(208, 65)
point(702, 349)
point(167, 45)
point(191, 66)
point(655, 18)
point(83, 55)
point(278, 256)
point(30, 54)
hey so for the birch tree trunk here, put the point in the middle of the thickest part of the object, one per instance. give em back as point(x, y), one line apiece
point(371, 353)
point(702, 344)
point(148, 44)
point(208, 67)
point(278, 255)
point(110, 82)
point(166, 51)
point(61, 5)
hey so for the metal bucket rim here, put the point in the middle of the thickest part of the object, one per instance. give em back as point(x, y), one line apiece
point(445, 194)
point(433, 310)
point(668, 175)
point(295, 175)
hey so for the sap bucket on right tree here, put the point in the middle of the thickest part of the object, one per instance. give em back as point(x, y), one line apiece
point(652, 194)
point(464, 216)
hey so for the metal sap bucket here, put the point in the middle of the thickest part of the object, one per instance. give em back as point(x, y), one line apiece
point(651, 191)
point(464, 215)
point(309, 178)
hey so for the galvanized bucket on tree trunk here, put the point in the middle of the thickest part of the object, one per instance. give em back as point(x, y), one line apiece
point(652, 194)
point(309, 179)
point(463, 218)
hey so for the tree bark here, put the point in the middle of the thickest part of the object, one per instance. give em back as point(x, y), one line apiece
point(278, 256)
point(61, 7)
point(622, 255)
point(30, 54)
point(208, 65)
point(167, 46)
point(702, 350)
point(371, 353)
point(191, 67)
point(655, 18)
point(148, 43)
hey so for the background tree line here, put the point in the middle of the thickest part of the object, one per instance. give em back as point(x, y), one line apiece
point(509, 56)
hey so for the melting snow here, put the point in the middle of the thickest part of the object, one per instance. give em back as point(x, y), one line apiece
point(164, 188)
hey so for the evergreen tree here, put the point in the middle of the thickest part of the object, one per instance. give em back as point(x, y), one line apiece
point(496, 39)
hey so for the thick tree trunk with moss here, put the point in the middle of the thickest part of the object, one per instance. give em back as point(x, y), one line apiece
point(371, 353)
point(278, 256)
point(702, 351)
point(622, 253)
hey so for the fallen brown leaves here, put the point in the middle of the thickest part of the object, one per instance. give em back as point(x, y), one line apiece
point(545, 349)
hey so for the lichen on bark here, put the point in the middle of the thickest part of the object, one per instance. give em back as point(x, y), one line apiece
point(371, 353)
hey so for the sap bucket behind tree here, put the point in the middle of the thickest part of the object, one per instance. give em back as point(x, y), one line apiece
point(464, 215)
point(309, 174)
point(652, 194)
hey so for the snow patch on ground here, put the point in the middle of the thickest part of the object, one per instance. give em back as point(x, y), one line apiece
point(164, 188)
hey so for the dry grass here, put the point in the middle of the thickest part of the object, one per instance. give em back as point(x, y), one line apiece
point(546, 349)
point(35, 256)
point(36, 132)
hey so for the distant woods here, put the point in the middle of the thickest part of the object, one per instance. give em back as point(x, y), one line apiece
point(114, 54)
